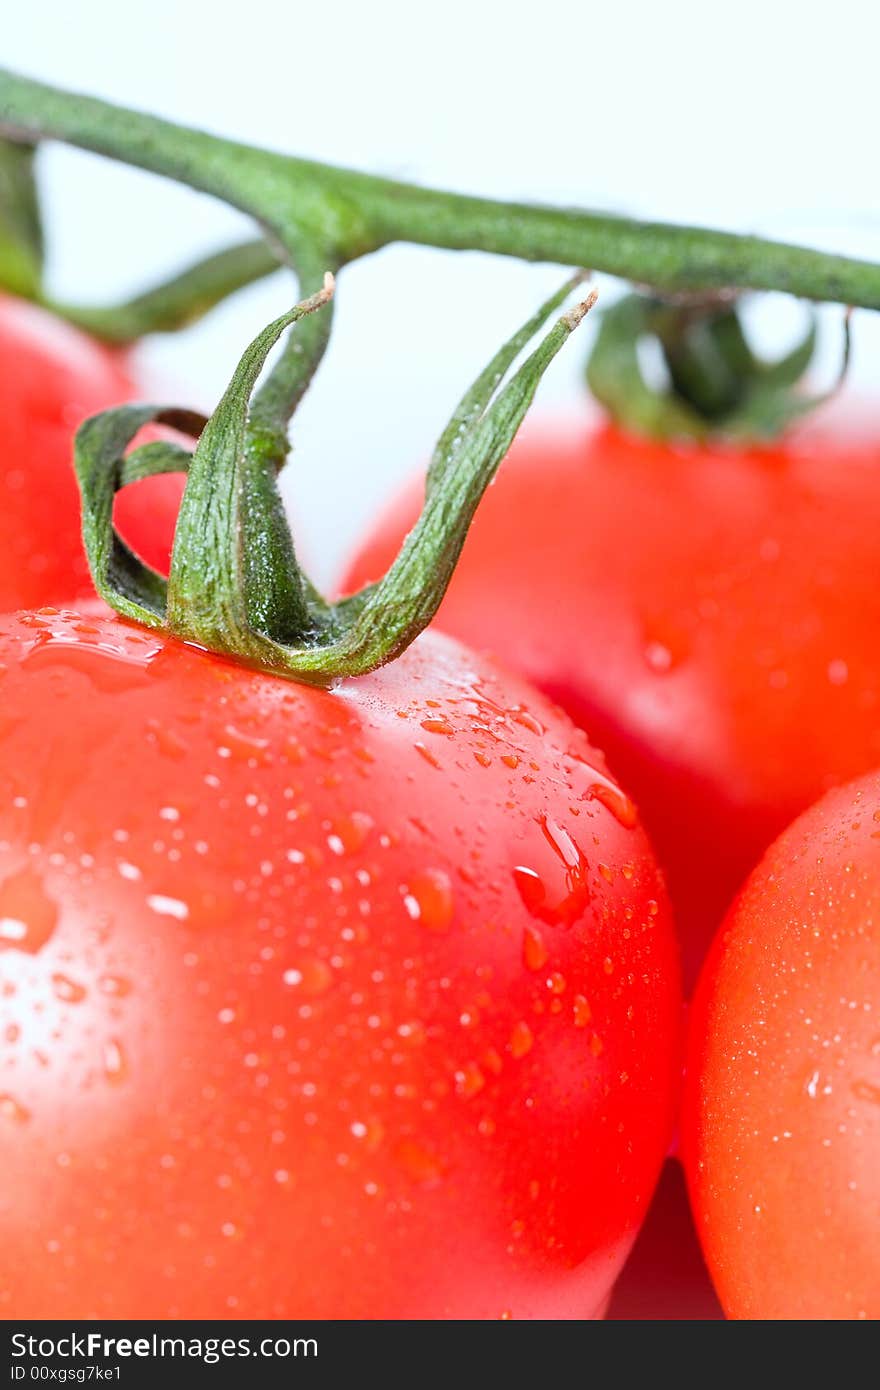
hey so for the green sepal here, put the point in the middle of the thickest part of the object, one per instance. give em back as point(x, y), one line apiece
point(234, 583)
point(235, 586)
point(717, 388)
point(175, 303)
point(120, 576)
point(615, 377)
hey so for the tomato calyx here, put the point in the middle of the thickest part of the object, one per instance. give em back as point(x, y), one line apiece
point(716, 386)
point(235, 586)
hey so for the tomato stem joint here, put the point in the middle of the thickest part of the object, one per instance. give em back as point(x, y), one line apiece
point(235, 586)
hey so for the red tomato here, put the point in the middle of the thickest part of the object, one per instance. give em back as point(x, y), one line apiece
point(359, 1004)
point(710, 616)
point(781, 1130)
point(51, 378)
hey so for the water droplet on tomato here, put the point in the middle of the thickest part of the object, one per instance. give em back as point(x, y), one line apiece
point(312, 976)
point(68, 990)
point(582, 1011)
point(350, 832)
point(866, 1090)
point(110, 663)
point(526, 720)
point(535, 953)
point(169, 742)
point(420, 1162)
point(429, 899)
point(115, 1064)
point(521, 1039)
point(12, 1109)
point(243, 747)
point(562, 843)
point(425, 752)
point(437, 726)
point(28, 916)
point(168, 907)
point(658, 657)
point(369, 1132)
point(606, 791)
point(469, 1081)
point(413, 1032)
point(599, 786)
point(566, 901)
point(115, 985)
point(666, 643)
point(531, 887)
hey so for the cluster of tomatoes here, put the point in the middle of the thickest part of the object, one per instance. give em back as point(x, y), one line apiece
point(367, 1003)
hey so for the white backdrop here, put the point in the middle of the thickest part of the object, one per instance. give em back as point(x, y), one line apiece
point(756, 116)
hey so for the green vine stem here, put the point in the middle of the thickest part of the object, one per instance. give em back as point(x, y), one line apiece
point(164, 308)
point(356, 213)
point(235, 586)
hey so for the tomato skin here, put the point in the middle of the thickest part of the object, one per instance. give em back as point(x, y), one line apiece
point(781, 1119)
point(51, 378)
point(709, 615)
point(280, 1035)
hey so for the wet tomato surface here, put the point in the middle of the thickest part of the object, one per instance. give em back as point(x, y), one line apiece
point(361, 1003)
point(708, 614)
point(781, 1125)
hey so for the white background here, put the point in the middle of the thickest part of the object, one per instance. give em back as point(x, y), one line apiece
point(757, 115)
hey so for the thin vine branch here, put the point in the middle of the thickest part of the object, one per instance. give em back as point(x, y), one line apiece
point(347, 214)
point(175, 303)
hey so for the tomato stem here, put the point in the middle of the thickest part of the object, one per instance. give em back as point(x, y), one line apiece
point(235, 586)
point(21, 233)
point(348, 214)
point(173, 304)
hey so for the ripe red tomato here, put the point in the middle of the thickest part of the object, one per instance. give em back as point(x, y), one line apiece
point(361, 1003)
point(711, 616)
point(781, 1128)
point(51, 378)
